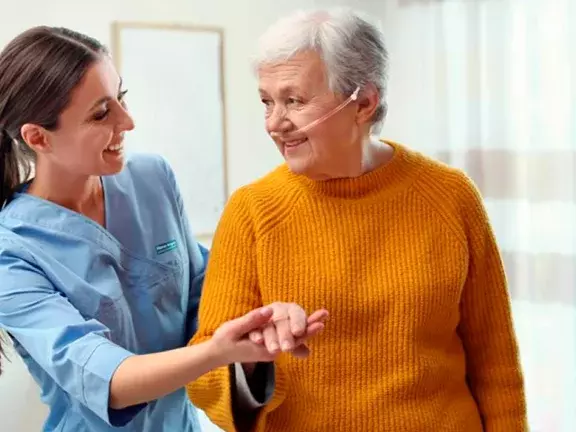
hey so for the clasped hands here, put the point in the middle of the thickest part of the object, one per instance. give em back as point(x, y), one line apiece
point(262, 334)
point(288, 329)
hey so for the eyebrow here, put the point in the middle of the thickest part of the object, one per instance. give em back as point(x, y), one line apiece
point(105, 99)
point(283, 90)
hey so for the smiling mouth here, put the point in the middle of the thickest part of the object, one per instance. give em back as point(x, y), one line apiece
point(295, 143)
point(116, 148)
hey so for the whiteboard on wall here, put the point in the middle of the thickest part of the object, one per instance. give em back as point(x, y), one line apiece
point(174, 78)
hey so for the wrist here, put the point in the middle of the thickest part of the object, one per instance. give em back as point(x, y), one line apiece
point(215, 356)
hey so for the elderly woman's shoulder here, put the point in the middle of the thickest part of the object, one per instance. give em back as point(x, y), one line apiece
point(277, 191)
point(446, 183)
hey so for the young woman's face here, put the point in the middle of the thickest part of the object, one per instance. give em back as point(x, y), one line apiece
point(90, 133)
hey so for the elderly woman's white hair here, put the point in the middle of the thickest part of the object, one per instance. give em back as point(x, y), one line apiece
point(351, 47)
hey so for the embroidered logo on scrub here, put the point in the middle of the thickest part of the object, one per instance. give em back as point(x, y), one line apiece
point(166, 247)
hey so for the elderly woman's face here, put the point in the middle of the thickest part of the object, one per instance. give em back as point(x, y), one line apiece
point(296, 93)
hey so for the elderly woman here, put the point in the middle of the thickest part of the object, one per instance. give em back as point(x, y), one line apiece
point(397, 247)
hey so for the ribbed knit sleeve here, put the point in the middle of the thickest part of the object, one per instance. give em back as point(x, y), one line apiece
point(230, 290)
point(486, 327)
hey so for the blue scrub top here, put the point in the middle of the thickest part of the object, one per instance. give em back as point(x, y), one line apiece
point(78, 299)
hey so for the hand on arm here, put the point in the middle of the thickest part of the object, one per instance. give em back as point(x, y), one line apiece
point(288, 331)
point(143, 378)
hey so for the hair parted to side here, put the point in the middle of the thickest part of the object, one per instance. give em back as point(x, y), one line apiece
point(39, 69)
point(351, 46)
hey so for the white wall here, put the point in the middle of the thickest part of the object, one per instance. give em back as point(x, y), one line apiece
point(251, 153)
point(243, 21)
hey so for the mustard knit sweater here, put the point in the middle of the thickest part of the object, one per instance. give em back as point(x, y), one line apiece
point(420, 337)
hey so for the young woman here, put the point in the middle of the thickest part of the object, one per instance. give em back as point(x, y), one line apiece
point(100, 276)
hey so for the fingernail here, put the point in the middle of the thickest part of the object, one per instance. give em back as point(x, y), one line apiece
point(297, 330)
point(286, 346)
point(273, 347)
point(265, 311)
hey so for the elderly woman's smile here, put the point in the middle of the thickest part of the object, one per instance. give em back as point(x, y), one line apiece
point(296, 92)
point(293, 144)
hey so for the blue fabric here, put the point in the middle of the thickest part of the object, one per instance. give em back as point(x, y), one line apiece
point(79, 299)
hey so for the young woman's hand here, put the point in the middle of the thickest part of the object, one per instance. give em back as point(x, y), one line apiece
point(231, 342)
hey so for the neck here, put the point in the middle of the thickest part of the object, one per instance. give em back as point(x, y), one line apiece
point(391, 169)
point(372, 154)
point(82, 194)
point(375, 153)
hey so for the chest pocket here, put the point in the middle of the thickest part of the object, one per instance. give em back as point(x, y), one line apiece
point(143, 307)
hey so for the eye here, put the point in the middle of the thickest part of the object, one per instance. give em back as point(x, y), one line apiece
point(121, 96)
point(293, 101)
point(268, 106)
point(99, 116)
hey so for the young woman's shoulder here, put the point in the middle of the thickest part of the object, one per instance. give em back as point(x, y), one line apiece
point(148, 177)
point(146, 165)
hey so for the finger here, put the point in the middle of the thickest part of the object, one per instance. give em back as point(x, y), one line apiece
point(248, 352)
point(251, 321)
point(284, 334)
point(301, 350)
point(311, 331)
point(256, 337)
point(297, 320)
point(271, 339)
point(317, 316)
point(314, 329)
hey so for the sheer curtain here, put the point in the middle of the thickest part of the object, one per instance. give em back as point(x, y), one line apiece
point(490, 86)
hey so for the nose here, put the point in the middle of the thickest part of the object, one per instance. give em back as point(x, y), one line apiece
point(126, 122)
point(277, 122)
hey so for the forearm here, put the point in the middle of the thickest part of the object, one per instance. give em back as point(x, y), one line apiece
point(144, 378)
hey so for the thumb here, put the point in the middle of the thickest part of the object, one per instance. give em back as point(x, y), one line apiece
point(253, 320)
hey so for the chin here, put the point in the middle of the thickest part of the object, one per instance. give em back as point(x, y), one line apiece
point(113, 167)
point(298, 166)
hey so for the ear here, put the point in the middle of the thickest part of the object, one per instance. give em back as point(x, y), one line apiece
point(368, 101)
point(36, 137)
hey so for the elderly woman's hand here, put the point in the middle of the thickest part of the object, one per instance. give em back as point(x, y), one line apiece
point(289, 329)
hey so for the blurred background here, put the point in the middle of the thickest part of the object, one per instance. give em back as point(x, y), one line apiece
point(488, 86)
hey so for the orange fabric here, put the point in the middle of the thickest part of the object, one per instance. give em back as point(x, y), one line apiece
point(420, 336)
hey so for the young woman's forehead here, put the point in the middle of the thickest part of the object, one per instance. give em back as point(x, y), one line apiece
point(100, 83)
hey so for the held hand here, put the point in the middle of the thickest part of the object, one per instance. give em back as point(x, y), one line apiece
point(289, 329)
point(231, 340)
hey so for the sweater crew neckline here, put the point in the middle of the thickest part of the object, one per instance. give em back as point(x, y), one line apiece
point(387, 179)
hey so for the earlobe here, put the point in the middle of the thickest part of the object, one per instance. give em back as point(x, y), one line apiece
point(36, 137)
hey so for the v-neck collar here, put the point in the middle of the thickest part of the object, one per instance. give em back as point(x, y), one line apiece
point(53, 216)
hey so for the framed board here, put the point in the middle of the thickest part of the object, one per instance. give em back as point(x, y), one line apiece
point(175, 81)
